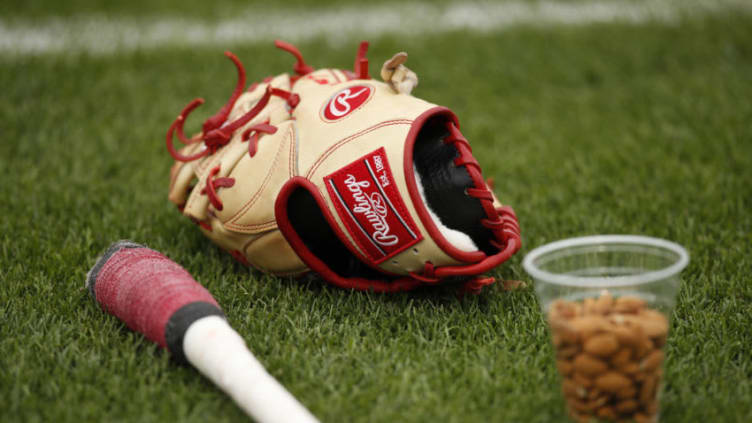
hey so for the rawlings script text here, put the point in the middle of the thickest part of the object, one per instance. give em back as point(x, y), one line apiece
point(373, 208)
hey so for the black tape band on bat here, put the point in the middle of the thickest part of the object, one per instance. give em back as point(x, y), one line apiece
point(181, 320)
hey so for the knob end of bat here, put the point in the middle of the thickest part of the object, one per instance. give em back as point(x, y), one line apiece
point(91, 276)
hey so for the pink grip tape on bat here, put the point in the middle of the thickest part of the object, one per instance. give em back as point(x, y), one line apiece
point(150, 293)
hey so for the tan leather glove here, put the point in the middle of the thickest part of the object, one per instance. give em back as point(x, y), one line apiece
point(355, 179)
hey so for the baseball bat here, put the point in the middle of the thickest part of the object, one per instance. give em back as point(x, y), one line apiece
point(158, 298)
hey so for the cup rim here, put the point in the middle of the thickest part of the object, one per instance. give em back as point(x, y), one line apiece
point(605, 240)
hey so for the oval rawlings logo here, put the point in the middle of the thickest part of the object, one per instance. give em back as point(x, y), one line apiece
point(345, 101)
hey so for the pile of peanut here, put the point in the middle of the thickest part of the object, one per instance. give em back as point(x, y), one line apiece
point(609, 353)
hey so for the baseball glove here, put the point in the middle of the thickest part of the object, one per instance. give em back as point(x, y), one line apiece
point(355, 179)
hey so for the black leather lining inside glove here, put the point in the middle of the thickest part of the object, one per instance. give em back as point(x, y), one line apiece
point(444, 185)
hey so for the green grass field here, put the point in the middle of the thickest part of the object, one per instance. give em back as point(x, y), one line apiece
point(599, 128)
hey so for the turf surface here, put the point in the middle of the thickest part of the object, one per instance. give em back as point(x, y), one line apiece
point(594, 129)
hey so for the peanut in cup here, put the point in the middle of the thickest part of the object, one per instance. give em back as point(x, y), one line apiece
point(607, 300)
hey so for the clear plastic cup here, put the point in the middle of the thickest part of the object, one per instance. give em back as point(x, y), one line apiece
point(607, 299)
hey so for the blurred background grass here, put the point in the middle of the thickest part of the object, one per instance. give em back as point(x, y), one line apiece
point(601, 128)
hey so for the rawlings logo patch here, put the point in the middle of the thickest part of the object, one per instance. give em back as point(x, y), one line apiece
point(369, 203)
point(346, 101)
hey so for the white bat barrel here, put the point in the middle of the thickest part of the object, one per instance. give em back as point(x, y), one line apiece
point(217, 351)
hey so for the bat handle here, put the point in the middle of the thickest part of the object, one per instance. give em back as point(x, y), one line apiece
point(157, 297)
point(220, 354)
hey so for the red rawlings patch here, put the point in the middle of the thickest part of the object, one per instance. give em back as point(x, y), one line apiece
point(369, 203)
point(346, 101)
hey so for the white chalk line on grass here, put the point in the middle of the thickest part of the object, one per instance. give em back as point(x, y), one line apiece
point(104, 35)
